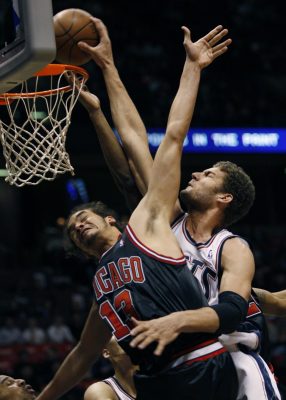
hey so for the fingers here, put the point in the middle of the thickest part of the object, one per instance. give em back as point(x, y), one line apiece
point(187, 33)
point(135, 322)
point(218, 37)
point(100, 27)
point(141, 340)
point(160, 348)
point(221, 48)
point(102, 33)
point(144, 341)
point(76, 81)
point(213, 33)
point(85, 47)
point(219, 53)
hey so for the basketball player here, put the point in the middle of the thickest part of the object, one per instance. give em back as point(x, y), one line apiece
point(215, 198)
point(141, 275)
point(120, 386)
point(15, 389)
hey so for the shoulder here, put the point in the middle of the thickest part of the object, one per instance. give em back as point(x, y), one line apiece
point(236, 244)
point(100, 391)
point(236, 252)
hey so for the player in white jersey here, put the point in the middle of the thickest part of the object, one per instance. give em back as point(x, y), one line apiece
point(120, 386)
point(215, 207)
point(204, 260)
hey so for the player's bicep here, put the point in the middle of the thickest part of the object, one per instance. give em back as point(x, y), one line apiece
point(238, 267)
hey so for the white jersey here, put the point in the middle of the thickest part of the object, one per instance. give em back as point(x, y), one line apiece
point(118, 389)
point(203, 258)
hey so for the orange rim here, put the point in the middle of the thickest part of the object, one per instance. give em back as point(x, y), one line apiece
point(48, 70)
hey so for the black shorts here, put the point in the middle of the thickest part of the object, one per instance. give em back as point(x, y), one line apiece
point(212, 379)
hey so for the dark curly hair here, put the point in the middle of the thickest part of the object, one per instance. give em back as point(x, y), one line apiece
point(97, 207)
point(240, 185)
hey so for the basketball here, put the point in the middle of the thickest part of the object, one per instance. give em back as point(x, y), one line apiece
point(72, 26)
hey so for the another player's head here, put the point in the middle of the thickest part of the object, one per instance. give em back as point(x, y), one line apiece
point(224, 186)
point(90, 227)
point(117, 356)
point(15, 389)
point(113, 351)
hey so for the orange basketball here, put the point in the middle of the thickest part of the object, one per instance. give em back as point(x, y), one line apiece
point(72, 26)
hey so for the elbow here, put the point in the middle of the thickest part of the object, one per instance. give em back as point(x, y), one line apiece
point(232, 310)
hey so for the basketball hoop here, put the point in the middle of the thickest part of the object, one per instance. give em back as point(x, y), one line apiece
point(34, 135)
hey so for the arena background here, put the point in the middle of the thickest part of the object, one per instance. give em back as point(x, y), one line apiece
point(245, 88)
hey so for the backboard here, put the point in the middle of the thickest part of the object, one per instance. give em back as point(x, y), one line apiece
point(27, 40)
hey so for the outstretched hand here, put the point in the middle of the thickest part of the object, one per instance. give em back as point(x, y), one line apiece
point(102, 52)
point(207, 49)
point(162, 330)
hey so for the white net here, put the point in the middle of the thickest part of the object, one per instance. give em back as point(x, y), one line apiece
point(33, 135)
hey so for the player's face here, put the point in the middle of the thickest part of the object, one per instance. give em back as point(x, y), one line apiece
point(84, 227)
point(15, 389)
point(202, 189)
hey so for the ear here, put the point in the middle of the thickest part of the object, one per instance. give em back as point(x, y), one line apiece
point(225, 198)
point(110, 220)
point(105, 353)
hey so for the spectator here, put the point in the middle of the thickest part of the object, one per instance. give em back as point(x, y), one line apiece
point(10, 333)
point(58, 332)
point(33, 334)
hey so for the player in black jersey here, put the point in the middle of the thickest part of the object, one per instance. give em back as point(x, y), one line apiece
point(143, 274)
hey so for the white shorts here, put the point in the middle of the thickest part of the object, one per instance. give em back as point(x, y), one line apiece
point(255, 380)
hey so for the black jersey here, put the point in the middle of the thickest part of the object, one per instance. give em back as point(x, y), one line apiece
point(133, 280)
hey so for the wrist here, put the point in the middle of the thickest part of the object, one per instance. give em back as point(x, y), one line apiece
point(193, 66)
point(93, 111)
point(109, 68)
point(183, 321)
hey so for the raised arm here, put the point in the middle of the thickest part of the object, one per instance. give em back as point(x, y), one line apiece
point(165, 178)
point(113, 152)
point(94, 337)
point(124, 113)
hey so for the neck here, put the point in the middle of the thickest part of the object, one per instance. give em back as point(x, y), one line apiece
point(201, 225)
point(105, 241)
point(124, 372)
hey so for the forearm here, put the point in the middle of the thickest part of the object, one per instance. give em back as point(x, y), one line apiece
point(124, 112)
point(183, 106)
point(72, 371)
point(170, 150)
point(129, 126)
point(272, 303)
point(111, 148)
point(201, 320)
point(281, 294)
